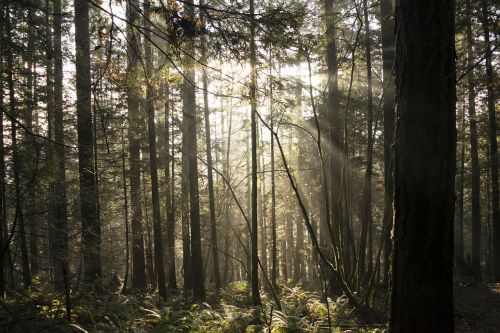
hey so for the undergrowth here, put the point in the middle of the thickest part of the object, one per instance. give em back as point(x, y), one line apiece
point(226, 312)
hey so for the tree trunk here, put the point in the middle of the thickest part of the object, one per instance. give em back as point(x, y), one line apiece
point(274, 254)
point(125, 210)
point(334, 123)
point(422, 271)
point(30, 151)
point(211, 195)
point(388, 44)
point(253, 120)
point(458, 253)
point(189, 103)
point(493, 143)
point(91, 224)
point(3, 220)
point(61, 264)
point(153, 163)
point(139, 281)
point(366, 204)
point(475, 183)
point(171, 278)
point(17, 163)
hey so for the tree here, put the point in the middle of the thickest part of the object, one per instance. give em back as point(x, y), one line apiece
point(61, 267)
point(153, 158)
point(211, 195)
point(134, 141)
point(475, 196)
point(189, 100)
point(388, 44)
point(91, 224)
point(422, 269)
point(253, 121)
point(366, 204)
point(19, 218)
point(493, 143)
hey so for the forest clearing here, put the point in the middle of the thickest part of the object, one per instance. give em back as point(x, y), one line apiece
point(249, 166)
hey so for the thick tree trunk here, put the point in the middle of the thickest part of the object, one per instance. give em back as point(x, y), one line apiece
point(91, 224)
point(153, 158)
point(493, 143)
point(134, 140)
point(422, 271)
point(388, 47)
point(61, 264)
point(211, 195)
point(475, 183)
point(189, 105)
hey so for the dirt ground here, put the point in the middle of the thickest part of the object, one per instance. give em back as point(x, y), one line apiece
point(477, 309)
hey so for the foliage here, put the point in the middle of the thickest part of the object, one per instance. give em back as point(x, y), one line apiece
point(303, 311)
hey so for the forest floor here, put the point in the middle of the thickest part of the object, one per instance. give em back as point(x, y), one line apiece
point(477, 309)
point(228, 312)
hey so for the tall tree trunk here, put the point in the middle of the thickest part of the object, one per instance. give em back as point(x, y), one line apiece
point(253, 121)
point(211, 195)
point(171, 278)
point(422, 271)
point(366, 205)
point(61, 265)
point(51, 160)
point(17, 162)
point(388, 47)
point(334, 123)
point(153, 163)
point(475, 183)
point(274, 254)
point(139, 281)
point(461, 267)
point(31, 191)
point(186, 233)
point(189, 100)
point(262, 205)
point(3, 221)
point(493, 143)
point(125, 210)
point(91, 224)
point(227, 195)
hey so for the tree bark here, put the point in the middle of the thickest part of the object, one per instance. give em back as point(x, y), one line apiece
point(153, 158)
point(3, 221)
point(189, 101)
point(366, 204)
point(139, 281)
point(388, 48)
point(253, 120)
point(171, 278)
point(475, 183)
point(91, 224)
point(422, 270)
point(61, 264)
point(493, 143)
point(211, 195)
